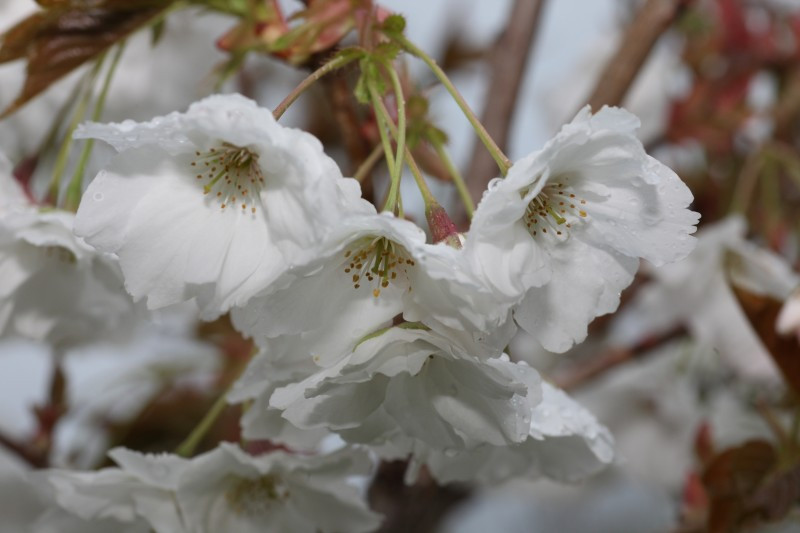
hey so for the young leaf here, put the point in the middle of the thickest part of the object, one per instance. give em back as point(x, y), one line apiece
point(762, 311)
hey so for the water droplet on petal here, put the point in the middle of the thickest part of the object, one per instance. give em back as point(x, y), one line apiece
point(494, 184)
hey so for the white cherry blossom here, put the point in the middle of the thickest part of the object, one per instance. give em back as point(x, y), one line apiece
point(225, 489)
point(229, 490)
point(562, 234)
point(53, 286)
point(141, 490)
point(413, 383)
point(698, 295)
point(212, 204)
point(565, 443)
point(372, 268)
point(279, 362)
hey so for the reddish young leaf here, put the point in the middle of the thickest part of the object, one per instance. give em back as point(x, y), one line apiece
point(67, 34)
point(778, 495)
point(738, 471)
point(704, 443)
point(762, 311)
point(732, 478)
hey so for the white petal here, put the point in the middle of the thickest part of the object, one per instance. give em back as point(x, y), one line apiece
point(586, 283)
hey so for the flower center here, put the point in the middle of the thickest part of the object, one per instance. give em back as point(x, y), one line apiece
point(60, 254)
point(554, 211)
point(377, 262)
point(232, 174)
point(254, 496)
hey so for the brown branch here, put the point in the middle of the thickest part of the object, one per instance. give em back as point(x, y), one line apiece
point(420, 507)
point(585, 371)
point(650, 22)
point(33, 458)
point(507, 58)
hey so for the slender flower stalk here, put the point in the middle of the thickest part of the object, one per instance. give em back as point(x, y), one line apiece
point(368, 164)
point(458, 179)
point(400, 135)
point(75, 187)
point(497, 154)
point(335, 63)
point(427, 196)
point(187, 447)
point(384, 123)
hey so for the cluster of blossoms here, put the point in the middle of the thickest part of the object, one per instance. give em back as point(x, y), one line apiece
point(365, 331)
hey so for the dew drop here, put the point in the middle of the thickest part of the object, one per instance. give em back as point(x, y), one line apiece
point(98, 197)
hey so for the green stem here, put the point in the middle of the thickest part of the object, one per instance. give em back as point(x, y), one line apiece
point(75, 187)
point(400, 134)
point(384, 123)
point(497, 154)
point(458, 179)
point(80, 110)
point(427, 196)
point(400, 212)
point(187, 447)
point(366, 166)
point(422, 185)
point(744, 189)
point(333, 64)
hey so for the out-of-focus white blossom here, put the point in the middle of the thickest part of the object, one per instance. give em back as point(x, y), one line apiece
point(222, 490)
point(697, 293)
point(279, 362)
point(53, 286)
point(562, 234)
point(212, 204)
point(417, 384)
point(229, 490)
point(789, 317)
point(141, 491)
point(565, 443)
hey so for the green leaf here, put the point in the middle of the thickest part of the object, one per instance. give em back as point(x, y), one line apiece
point(436, 136)
point(387, 51)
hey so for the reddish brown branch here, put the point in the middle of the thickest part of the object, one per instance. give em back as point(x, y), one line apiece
point(34, 459)
point(507, 58)
point(420, 507)
point(648, 25)
point(585, 371)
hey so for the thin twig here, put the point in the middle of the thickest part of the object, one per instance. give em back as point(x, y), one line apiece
point(508, 58)
point(36, 460)
point(650, 22)
point(584, 372)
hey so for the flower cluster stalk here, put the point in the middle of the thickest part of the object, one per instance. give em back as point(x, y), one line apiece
point(427, 196)
point(497, 154)
point(187, 447)
point(384, 123)
point(368, 164)
point(335, 63)
point(400, 137)
point(458, 179)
